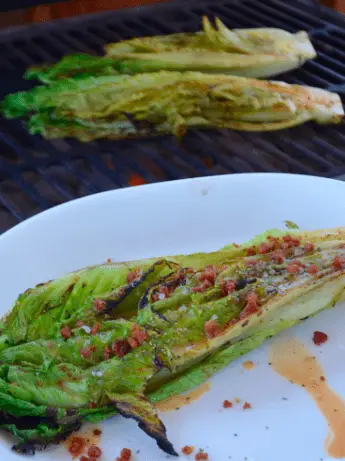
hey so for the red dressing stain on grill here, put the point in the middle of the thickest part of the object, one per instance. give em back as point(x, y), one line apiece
point(136, 179)
point(292, 360)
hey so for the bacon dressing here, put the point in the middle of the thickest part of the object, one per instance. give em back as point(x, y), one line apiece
point(178, 401)
point(78, 444)
point(293, 361)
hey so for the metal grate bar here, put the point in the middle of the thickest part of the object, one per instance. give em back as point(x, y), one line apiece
point(273, 18)
point(283, 13)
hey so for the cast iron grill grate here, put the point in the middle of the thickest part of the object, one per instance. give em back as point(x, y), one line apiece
point(36, 174)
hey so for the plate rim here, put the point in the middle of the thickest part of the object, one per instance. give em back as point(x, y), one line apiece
point(124, 190)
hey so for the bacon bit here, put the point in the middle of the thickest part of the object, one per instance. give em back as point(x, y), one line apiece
point(133, 343)
point(77, 446)
point(251, 251)
point(211, 329)
point(92, 405)
point(247, 311)
point(79, 324)
point(209, 275)
point(108, 260)
point(187, 450)
point(319, 338)
point(95, 329)
point(94, 452)
point(291, 241)
point(97, 432)
point(121, 348)
point(201, 456)
point(227, 404)
point(189, 270)
point(251, 262)
point(162, 291)
point(251, 307)
point(278, 257)
point(274, 241)
point(227, 286)
point(312, 269)
point(293, 268)
point(284, 246)
point(138, 334)
point(84, 458)
point(338, 262)
point(232, 322)
point(246, 406)
point(203, 287)
point(235, 245)
point(99, 305)
point(86, 352)
point(309, 247)
point(252, 299)
point(264, 248)
point(107, 353)
point(322, 378)
point(298, 263)
point(133, 275)
point(66, 332)
point(126, 454)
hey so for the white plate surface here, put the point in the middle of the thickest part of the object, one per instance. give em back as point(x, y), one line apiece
point(189, 216)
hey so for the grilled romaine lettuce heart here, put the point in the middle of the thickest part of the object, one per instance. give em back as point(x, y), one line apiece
point(120, 337)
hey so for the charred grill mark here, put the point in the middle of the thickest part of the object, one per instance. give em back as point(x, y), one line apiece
point(31, 446)
point(120, 295)
point(242, 283)
point(305, 318)
point(68, 290)
point(25, 422)
point(155, 430)
point(160, 315)
point(144, 301)
point(177, 279)
point(51, 413)
point(158, 362)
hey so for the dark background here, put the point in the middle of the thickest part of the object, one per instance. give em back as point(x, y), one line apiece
point(8, 5)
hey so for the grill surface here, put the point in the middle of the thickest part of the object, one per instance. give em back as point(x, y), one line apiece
point(37, 174)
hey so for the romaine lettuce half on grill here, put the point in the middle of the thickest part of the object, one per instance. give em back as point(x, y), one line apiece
point(120, 337)
point(124, 106)
point(263, 52)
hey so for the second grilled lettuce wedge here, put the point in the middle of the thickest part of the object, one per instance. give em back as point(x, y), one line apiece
point(263, 52)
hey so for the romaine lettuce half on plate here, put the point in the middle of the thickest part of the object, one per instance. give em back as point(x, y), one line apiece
point(120, 337)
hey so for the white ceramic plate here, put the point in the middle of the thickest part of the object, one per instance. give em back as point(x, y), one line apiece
point(189, 216)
